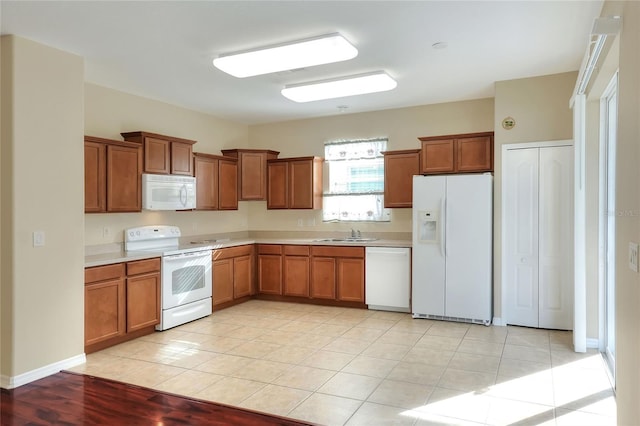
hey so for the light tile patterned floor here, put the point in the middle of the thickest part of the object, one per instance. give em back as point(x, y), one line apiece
point(338, 366)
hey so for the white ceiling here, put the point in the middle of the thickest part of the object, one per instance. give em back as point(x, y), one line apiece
point(163, 49)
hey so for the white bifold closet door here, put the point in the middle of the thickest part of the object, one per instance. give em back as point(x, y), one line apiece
point(539, 236)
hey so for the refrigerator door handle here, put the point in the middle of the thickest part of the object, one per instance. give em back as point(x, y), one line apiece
point(442, 225)
point(446, 228)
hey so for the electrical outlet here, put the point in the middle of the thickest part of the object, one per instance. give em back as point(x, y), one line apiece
point(106, 232)
point(633, 256)
point(38, 238)
point(300, 222)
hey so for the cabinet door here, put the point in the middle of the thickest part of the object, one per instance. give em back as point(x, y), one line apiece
point(399, 169)
point(206, 173)
point(270, 273)
point(156, 156)
point(350, 279)
point(228, 185)
point(301, 184)
point(123, 179)
point(474, 154)
point(296, 276)
point(437, 156)
point(104, 306)
point(242, 276)
point(222, 281)
point(94, 177)
point(277, 188)
point(143, 301)
point(253, 175)
point(181, 163)
point(323, 278)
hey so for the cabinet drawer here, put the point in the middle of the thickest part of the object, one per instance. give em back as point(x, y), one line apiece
point(230, 252)
point(296, 250)
point(337, 251)
point(102, 273)
point(143, 266)
point(269, 249)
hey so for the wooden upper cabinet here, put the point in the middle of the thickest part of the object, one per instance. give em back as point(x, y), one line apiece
point(399, 169)
point(475, 154)
point(305, 183)
point(277, 189)
point(112, 175)
point(181, 158)
point(157, 156)
point(124, 170)
point(437, 156)
point(95, 176)
point(216, 182)
point(252, 172)
point(467, 153)
point(164, 154)
point(294, 183)
point(206, 173)
point(228, 184)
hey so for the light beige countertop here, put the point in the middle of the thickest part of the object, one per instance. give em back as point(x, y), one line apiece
point(114, 253)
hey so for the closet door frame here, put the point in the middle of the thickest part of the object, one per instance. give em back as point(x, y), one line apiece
point(504, 308)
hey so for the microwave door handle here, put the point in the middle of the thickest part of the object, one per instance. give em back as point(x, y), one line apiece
point(183, 190)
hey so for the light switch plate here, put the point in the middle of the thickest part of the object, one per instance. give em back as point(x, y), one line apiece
point(633, 256)
point(38, 238)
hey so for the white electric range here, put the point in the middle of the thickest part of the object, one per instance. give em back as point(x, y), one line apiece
point(187, 284)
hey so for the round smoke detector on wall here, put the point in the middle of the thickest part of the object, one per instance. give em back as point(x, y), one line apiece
point(508, 123)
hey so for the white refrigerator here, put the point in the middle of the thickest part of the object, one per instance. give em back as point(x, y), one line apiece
point(452, 247)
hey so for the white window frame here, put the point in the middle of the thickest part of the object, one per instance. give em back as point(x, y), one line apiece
point(341, 204)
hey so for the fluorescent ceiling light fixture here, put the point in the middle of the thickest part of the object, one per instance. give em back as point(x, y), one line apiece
point(337, 88)
point(300, 54)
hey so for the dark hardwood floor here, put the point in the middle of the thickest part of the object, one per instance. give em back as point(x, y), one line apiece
point(75, 399)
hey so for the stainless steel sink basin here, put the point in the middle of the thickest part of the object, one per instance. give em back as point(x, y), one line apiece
point(346, 240)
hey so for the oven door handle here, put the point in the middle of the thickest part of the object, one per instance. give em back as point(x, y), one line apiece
point(196, 254)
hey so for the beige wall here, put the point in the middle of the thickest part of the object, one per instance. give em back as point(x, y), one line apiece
point(540, 107)
point(402, 126)
point(42, 287)
point(109, 112)
point(628, 224)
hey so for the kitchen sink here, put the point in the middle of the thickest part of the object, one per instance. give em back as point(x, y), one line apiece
point(346, 240)
point(219, 240)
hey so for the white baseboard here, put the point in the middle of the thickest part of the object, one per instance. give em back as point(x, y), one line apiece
point(498, 321)
point(593, 343)
point(10, 382)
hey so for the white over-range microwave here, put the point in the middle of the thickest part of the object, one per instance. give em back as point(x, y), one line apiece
point(168, 192)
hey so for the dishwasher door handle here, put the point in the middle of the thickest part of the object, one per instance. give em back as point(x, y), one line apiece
point(397, 252)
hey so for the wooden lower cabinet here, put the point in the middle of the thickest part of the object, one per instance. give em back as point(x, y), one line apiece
point(323, 278)
point(222, 281)
point(329, 274)
point(296, 271)
point(337, 273)
point(243, 276)
point(350, 279)
point(122, 301)
point(143, 301)
point(232, 275)
point(270, 268)
point(104, 304)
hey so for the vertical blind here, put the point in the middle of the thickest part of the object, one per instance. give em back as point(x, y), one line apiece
point(356, 181)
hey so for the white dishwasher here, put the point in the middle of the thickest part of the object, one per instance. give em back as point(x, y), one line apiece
point(388, 278)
